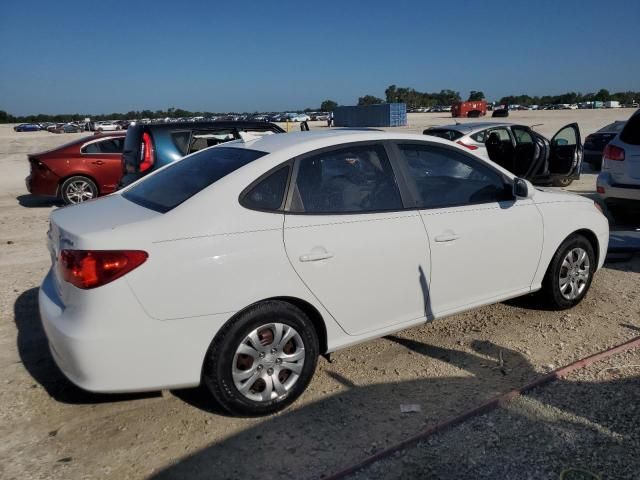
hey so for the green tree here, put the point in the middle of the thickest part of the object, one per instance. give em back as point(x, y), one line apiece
point(475, 95)
point(392, 94)
point(370, 100)
point(328, 106)
point(603, 95)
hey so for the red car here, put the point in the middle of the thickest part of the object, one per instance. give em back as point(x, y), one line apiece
point(80, 170)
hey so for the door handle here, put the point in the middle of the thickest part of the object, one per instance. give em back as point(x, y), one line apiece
point(447, 237)
point(98, 162)
point(316, 255)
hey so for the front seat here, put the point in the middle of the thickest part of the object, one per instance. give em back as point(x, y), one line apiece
point(495, 149)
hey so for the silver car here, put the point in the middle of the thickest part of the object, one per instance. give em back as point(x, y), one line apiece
point(619, 181)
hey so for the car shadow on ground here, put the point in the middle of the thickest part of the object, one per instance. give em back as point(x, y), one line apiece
point(301, 442)
point(32, 201)
point(34, 353)
point(337, 430)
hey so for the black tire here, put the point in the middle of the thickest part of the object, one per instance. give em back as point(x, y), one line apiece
point(217, 368)
point(551, 292)
point(562, 182)
point(69, 190)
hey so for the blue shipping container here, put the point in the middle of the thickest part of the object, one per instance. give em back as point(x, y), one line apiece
point(383, 115)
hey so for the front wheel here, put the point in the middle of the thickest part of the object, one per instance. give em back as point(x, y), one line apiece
point(262, 361)
point(78, 189)
point(570, 272)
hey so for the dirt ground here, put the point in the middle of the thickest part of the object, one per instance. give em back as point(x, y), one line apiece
point(584, 425)
point(51, 429)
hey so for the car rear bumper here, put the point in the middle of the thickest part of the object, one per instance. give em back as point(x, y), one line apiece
point(39, 185)
point(608, 190)
point(115, 346)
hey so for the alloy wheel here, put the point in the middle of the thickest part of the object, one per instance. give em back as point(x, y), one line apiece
point(574, 273)
point(268, 362)
point(79, 191)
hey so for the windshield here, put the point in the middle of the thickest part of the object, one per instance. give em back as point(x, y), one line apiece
point(178, 182)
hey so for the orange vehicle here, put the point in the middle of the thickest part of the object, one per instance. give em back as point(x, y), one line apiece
point(472, 109)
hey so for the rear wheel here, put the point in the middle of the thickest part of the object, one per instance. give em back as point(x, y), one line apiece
point(78, 189)
point(570, 272)
point(262, 361)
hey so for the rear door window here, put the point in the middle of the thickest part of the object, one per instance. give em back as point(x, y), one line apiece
point(111, 145)
point(480, 137)
point(169, 187)
point(356, 179)
point(268, 194)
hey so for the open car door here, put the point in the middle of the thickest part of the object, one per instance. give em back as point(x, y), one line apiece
point(565, 153)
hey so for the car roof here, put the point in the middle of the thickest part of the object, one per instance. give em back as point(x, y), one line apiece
point(322, 138)
point(470, 126)
point(210, 124)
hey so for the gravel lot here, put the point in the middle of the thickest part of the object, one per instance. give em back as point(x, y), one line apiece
point(51, 429)
point(589, 421)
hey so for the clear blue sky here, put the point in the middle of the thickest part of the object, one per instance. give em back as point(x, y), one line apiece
point(101, 56)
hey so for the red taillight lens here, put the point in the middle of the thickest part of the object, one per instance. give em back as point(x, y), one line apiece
point(600, 189)
point(611, 152)
point(147, 153)
point(94, 268)
point(470, 147)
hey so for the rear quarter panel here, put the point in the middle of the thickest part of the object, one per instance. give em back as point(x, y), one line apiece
point(212, 256)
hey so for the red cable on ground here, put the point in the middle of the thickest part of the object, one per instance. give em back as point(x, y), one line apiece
point(484, 408)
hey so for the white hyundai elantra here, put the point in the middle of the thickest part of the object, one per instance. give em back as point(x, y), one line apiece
point(238, 265)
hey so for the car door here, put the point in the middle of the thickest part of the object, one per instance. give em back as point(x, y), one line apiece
point(352, 242)
point(566, 152)
point(104, 159)
point(530, 152)
point(485, 245)
point(500, 147)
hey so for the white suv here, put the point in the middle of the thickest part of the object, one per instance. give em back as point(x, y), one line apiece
point(619, 181)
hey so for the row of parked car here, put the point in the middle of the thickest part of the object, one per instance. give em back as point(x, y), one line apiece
point(113, 125)
point(74, 127)
point(99, 164)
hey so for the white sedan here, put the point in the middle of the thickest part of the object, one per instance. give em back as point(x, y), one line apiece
point(107, 126)
point(239, 264)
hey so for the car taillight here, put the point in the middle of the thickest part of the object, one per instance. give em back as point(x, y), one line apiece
point(611, 152)
point(470, 147)
point(38, 165)
point(93, 268)
point(146, 152)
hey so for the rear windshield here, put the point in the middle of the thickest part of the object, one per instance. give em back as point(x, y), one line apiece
point(612, 127)
point(181, 180)
point(443, 133)
point(631, 132)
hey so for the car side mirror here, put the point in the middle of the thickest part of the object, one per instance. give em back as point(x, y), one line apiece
point(522, 188)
